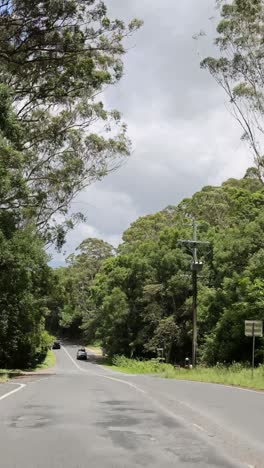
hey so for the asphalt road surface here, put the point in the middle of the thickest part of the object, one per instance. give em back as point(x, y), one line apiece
point(86, 416)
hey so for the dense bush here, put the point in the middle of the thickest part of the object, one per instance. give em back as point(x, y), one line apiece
point(24, 284)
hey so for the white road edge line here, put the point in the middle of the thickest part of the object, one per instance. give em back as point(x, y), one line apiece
point(233, 387)
point(21, 385)
point(251, 390)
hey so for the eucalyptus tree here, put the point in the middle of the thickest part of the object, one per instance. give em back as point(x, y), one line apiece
point(56, 59)
point(239, 68)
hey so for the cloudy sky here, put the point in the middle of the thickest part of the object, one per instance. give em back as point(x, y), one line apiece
point(182, 132)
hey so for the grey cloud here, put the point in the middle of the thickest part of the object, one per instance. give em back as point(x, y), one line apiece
point(183, 135)
point(172, 160)
point(110, 210)
point(163, 69)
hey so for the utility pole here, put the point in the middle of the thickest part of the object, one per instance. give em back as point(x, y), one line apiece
point(196, 267)
point(194, 282)
point(253, 350)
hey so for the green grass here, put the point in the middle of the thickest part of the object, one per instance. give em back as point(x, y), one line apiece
point(235, 374)
point(3, 375)
point(133, 366)
point(6, 374)
point(49, 361)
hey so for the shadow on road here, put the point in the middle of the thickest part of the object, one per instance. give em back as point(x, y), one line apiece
point(103, 360)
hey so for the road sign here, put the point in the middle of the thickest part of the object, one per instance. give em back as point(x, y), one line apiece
point(254, 327)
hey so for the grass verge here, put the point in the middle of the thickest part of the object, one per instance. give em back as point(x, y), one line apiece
point(235, 374)
point(6, 374)
point(49, 361)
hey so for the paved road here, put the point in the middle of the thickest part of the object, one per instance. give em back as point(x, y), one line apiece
point(85, 416)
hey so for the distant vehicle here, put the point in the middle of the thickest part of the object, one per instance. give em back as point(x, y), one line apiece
point(82, 354)
point(56, 345)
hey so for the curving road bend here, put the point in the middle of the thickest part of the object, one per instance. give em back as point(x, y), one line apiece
point(86, 416)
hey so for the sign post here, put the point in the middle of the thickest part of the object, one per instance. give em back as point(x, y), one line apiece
point(160, 354)
point(253, 328)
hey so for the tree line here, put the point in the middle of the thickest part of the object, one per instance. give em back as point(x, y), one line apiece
point(57, 137)
point(138, 297)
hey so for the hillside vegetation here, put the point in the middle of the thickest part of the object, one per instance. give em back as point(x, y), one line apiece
point(138, 298)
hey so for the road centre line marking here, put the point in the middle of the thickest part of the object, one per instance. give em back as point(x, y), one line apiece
point(104, 376)
point(75, 363)
point(21, 385)
point(199, 427)
point(123, 381)
point(161, 407)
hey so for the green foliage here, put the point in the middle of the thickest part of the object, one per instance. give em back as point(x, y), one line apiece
point(70, 300)
point(115, 320)
point(135, 366)
point(141, 298)
point(24, 274)
point(24, 279)
point(56, 137)
point(49, 361)
point(165, 335)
